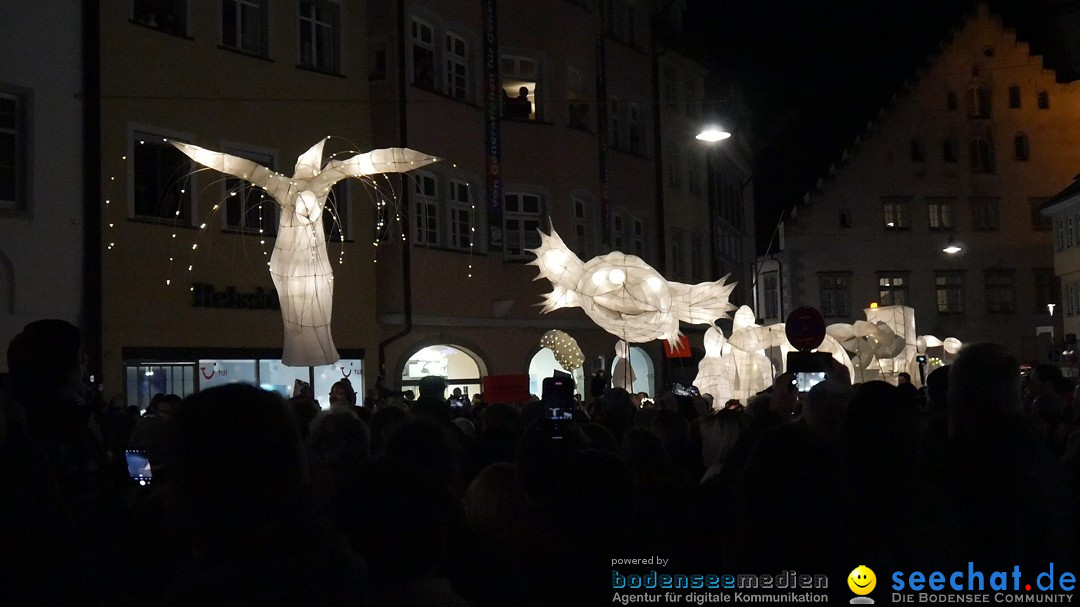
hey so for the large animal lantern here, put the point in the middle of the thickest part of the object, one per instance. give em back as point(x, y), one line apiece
point(624, 295)
point(299, 265)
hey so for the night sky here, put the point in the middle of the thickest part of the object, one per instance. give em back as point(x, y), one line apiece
point(815, 71)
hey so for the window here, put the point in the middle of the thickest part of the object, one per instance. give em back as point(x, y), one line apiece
point(614, 122)
point(950, 101)
point(247, 207)
point(693, 172)
point(319, 35)
point(896, 213)
point(377, 60)
point(893, 289)
point(772, 295)
point(426, 209)
point(461, 215)
point(637, 130)
point(984, 214)
point(918, 154)
point(1014, 97)
point(1069, 235)
point(169, 16)
point(949, 151)
point(520, 79)
point(637, 236)
point(1000, 291)
point(423, 54)
point(618, 226)
point(244, 26)
point(1044, 100)
point(981, 156)
point(697, 258)
point(1047, 288)
point(1040, 222)
point(674, 165)
point(457, 67)
point(580, 206)
point(14, 145)
point(835, 294)
point(950, 292)
point(940, 214)
point(1059, 239)
point(978, 101)
point(1022, 147)
point(845, 218)
point(575, 98)
point(336, 212)
point(521, 220)
point(678, 253)
point(161, 181)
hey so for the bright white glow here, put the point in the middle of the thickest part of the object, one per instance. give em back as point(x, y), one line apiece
point(300, 265)
point(1050, 308)
point(556, 259)
point(952, 247)
point(617, 277)
point(654, 283)
point(712, 134)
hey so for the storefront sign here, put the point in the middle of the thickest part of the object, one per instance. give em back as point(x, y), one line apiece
point(204, 295)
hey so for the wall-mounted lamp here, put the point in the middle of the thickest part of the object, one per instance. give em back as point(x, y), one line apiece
point(952, 248)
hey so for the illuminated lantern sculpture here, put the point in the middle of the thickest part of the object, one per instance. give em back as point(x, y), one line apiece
point(624, 295)
point(622, 375)
point(565, 348)
point(299, 265)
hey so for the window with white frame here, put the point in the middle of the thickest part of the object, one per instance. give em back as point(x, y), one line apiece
point(1059, 233)
point(771, 286)
point(169, 16)
point(895, 213)
point(940, 214)
point(949, 286)
point(575, 98)
point(460, 205)
point(423, 54)
point(336, 212)
point(457, 67)
point(244, 26)
point(615, 123)
point(893, 288)
point(835, 292)
point(520, 80)
point(618, 230)
point(247, 207)
point(161, 185)
point(637, 236)
point(425, 209)
point(1000, 291)
point(14, 145)
point(320, 25)
point(637, 128)
point(984, 214)
point(522, 214)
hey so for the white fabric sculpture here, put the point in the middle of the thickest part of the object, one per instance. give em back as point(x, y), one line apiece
point(717, 374)
point(565, 348)
point(624, 295)
point(299, 265)
point(622, 375)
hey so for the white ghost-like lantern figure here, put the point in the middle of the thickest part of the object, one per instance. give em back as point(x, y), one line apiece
point(624, 295)
point(299, 265)
point(565, 348)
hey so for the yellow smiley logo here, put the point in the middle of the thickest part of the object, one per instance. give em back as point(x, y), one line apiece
point(862, 580)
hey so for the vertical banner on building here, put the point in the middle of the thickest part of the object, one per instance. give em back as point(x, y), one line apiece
point(492, 133)
point(602, 127)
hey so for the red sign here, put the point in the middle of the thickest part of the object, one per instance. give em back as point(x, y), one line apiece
point(506, 389)
point(681, 349)
point(805, 328)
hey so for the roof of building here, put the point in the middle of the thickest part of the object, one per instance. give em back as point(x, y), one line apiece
point(1069, 194)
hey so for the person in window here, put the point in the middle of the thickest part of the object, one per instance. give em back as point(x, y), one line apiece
point(518, 107)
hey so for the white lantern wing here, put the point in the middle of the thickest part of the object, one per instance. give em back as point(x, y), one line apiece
point(558, 264)
point(703, 303)
point(275, 184)
point(386, 160)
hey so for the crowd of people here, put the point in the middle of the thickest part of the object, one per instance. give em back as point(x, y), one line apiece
point(258, 500)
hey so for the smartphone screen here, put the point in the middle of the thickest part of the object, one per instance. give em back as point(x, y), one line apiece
point(138, 466)
point(804, 380)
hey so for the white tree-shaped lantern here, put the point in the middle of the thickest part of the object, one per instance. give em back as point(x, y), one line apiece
point(624, 295)
point(299, 264)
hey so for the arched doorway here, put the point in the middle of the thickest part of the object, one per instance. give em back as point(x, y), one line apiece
point(458, 366)
point(644, 372)
point(543, 364)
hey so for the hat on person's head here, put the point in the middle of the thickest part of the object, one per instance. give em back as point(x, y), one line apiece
point(43, 352)
point(432, 385)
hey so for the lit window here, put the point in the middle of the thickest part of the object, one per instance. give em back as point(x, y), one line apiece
point(520, 80)
point(892, 289)
point(950, 292)
point(895, 211)
point(940, 214)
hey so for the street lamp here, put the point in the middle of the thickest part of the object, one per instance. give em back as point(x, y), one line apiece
point(712, 134)
point(952, 248)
